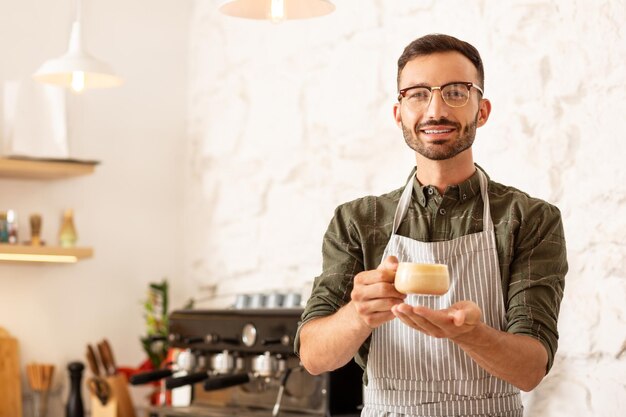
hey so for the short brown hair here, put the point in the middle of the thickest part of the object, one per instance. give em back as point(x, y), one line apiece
point(434, 43)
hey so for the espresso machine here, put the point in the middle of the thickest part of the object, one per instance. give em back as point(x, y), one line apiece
point(239, 362)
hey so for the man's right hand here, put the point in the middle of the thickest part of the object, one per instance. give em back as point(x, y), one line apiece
point(374, 294)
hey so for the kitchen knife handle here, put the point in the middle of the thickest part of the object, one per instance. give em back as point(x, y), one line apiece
point(104, 359)
point(150, 376)
point(92, 361)
point(110, 357)
point(179, 381)
point(225, 381)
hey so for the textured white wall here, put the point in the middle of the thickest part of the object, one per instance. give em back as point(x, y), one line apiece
point(287, 121)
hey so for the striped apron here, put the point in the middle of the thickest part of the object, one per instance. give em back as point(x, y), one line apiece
point(413, 374)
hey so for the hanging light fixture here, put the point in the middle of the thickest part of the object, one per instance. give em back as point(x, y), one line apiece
point(77, 69)
point(276, 10)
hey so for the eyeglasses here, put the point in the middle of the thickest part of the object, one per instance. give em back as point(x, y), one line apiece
point(454, 94)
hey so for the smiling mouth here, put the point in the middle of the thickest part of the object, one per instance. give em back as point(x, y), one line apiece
point(436, 131)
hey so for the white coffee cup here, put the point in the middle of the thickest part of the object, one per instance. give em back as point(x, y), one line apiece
point(416, 278)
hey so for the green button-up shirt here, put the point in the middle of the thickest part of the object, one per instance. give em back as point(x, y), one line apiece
point(529, 238)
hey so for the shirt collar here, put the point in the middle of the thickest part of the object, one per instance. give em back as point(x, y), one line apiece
point(460, 192)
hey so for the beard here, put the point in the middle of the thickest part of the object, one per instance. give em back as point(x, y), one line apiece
point(439, 151)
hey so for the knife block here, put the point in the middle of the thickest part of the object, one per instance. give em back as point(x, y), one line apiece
point(99, 410)
point(119, 403)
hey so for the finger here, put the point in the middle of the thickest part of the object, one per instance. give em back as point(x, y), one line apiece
point(468, 311)
point(390, 263)
point(374, 320)
point(439, 318)
point(379, 305)
point(406, 320)
point(374, 276)
point(473, 316)
point(416, 322)
point(385, 290)
point(437, 322)
point(458, 317)
point(377, 290)
point(377, 319)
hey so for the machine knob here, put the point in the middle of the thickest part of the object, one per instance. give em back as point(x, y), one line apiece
point(248, 335)
point(285, 340)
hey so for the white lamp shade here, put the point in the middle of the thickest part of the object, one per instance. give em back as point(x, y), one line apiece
point(260, 9)
point(61, 71)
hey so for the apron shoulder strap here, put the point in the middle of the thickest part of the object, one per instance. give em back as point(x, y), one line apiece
point(403, 204)
point(487, 222)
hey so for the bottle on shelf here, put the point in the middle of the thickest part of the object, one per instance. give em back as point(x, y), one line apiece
point(12, 227)
point(67, 234)
point(35, 230)
point(4, 227)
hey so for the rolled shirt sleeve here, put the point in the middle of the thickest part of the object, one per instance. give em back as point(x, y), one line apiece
point(342, 260)
point(537, 276)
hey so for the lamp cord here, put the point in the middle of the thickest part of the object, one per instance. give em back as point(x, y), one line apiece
point(78, 11)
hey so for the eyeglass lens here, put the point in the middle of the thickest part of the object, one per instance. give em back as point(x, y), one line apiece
point(454, 95)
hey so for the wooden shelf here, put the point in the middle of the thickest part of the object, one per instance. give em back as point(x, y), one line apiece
point(18, 167)
point(33, 168)
point(50, 254)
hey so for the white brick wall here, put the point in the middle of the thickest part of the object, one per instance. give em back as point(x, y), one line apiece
point(287, 121)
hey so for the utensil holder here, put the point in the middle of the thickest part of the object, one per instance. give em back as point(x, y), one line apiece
point(40, 403)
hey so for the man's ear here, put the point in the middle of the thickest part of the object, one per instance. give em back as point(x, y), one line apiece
point(397, 115)
point(483, 112)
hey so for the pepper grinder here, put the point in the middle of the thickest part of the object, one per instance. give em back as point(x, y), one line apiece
point(35, 230)
point(74, 407)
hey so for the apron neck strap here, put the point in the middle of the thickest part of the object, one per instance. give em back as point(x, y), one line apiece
point(484, 188)
point(405, 200)
point(403, 204)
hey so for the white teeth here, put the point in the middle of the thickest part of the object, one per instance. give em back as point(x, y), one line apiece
point(430, 132)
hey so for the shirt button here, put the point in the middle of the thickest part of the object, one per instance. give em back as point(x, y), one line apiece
point(442, 212)
point(464, 196)
point(431, 191)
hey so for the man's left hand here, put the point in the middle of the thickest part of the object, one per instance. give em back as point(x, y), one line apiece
point(451, 323)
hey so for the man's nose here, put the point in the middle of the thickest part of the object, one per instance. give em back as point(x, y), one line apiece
point(437, 108)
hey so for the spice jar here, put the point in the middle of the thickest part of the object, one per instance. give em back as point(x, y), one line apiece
point(67, 234)
point(12, 227)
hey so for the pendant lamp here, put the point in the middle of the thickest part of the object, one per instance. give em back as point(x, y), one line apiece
point(77, 69)
point(276, 10)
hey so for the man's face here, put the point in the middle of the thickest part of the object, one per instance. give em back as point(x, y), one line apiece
point(438, 131)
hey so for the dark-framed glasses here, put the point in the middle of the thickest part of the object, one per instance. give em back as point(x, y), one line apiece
point(454, 94)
